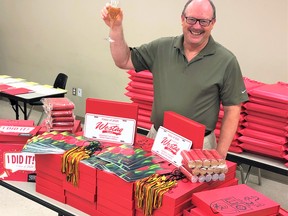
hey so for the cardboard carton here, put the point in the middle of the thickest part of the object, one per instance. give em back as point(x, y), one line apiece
point(112, 109)
point(235, 200)
point(185, 127)
point(49, 193)
point(89, 207)
point(115, 198)
point(110, 182)
point(118, 210)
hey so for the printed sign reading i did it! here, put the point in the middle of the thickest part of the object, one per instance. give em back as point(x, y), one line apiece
point(19, 161)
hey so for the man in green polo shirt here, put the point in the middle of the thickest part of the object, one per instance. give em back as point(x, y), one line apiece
point(192, 74)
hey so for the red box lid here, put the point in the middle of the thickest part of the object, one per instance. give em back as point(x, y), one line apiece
point(235, 200)
point(185, 127)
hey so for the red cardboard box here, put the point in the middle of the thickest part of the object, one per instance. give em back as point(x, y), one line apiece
point(17, 122)
point(76, 128)
point(194, 211)
point(119, 211)
point(156, 213)
point(15, 165)
point(85, 194)
point(116, 206)
point(49, 167)
point(172, 211)
point(43, 189)
point(87, 182)
point(185, 127)
point(235, 200)
point(113, 109)
point(179, 198)
point(110, 182)
point(51, 175)
point(49, 161)
point(143, 142)
point(18, 133)
point(139, 212)
point(283, 212)
point(80, 203)
point(229, 183)
point(49, 180)
point(127, 191)
point(82, 187)
point(182, 192)
point(87, 173)
point(115, 198)
point(51, 186)
point(114, 195)
point(86, 187)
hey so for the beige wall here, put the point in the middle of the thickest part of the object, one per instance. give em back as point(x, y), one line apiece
point(40, 38)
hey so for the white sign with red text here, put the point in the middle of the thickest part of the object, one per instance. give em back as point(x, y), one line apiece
point(107, 128)
point(15, 161)
point(168, 145)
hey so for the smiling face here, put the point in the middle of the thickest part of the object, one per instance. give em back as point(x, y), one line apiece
point(195, 35)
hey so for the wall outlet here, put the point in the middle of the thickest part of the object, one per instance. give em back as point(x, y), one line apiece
point(74, 91)
point(79, 92)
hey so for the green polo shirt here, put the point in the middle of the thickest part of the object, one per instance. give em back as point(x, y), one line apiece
point(193, 89)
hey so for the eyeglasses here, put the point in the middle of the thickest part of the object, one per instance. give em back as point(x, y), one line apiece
point(202, 22)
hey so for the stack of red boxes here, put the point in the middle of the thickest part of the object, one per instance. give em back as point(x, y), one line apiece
point(265, 130)
point(87, 195)
point(83, 195)
point(15, 165)
point(49, 180)
point(60, 115)
point(52, 179)
point(140, 91)
point(114, 195)
point(102, 193)
point(179, 198)
point(235, 145)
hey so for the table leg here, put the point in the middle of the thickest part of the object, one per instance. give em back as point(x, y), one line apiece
point(25, 111)
point(247, 174)
point(15, 107)
point(259, 177)
point(241, 173)
point(17, 110)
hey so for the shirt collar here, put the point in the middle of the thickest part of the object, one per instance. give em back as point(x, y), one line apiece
point(209, 49)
